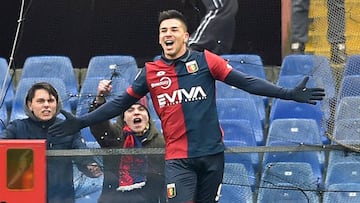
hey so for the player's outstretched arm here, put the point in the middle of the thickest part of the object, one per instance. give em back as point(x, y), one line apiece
point(69, 126)
point(262, 87)
point(109, 110)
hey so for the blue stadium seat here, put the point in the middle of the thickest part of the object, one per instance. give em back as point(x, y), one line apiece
point(239, 133)
point(290, 81)
point(342, 172)
point(315, 66)
point(236, 186)
point(224, 91)
point(342, 192)
point(288, 182)
point(100, 67)
point(350, 86)
point(7, 92)
point(2, 128)
point(337, 156)
point(54, 67)
point(286, 193)
point(158, 124)
point(250, 64)
point(238, 130)
point(340, 156)
point(290, 109)
point(352, 65)
point(348, 107)
point(89, 138)
point(294, 131)
point(3, 117)
point(120, 69)
point(236, 174)
point(296, 64)
point(308, 64)
point(247, 159)
point(242, 109)
point(346, 131)
point(88, 93)
point(24, 85)
point(235, 193)
point(313, 158)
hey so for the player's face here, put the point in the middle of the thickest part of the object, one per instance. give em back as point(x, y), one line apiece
point(43, 105)
point(137, 118)
point(173, 38)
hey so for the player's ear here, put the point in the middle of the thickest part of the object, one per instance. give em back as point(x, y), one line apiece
point(186, 37)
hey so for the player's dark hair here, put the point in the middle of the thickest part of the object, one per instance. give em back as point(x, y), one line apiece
point(172, 14)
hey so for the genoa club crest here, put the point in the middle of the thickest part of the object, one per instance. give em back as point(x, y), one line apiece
point(192, 67)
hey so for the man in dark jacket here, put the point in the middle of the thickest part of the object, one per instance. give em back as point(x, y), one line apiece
point(42, 105)
point(130, 178)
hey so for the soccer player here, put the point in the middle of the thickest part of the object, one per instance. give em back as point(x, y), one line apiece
point(182, 87)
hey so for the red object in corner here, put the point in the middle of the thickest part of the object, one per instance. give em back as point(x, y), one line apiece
point(22, 171)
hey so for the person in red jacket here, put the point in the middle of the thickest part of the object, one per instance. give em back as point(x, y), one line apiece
point(130, 178)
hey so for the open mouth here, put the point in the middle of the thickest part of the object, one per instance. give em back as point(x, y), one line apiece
point(169, 42)
point(46, 112)
point(137, 120)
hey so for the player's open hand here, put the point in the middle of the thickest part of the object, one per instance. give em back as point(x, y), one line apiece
point(307, 95)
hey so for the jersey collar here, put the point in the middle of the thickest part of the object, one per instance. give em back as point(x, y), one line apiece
point(182, 58)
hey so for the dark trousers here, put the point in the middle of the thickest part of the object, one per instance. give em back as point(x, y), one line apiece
point(194, 179)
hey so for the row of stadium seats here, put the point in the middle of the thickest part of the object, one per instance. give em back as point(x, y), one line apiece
point(293, 69)
point(293, 182)
point(300, 65)
point(288, 125)
point(242, 116)
point(295, 176)
point(58, 70)
point(44, 66)
point(285, 182)
point(340, 173)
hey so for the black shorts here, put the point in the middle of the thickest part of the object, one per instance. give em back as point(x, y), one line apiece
point(194, 179)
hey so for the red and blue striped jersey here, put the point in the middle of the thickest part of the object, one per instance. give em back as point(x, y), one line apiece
point(183, 95)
